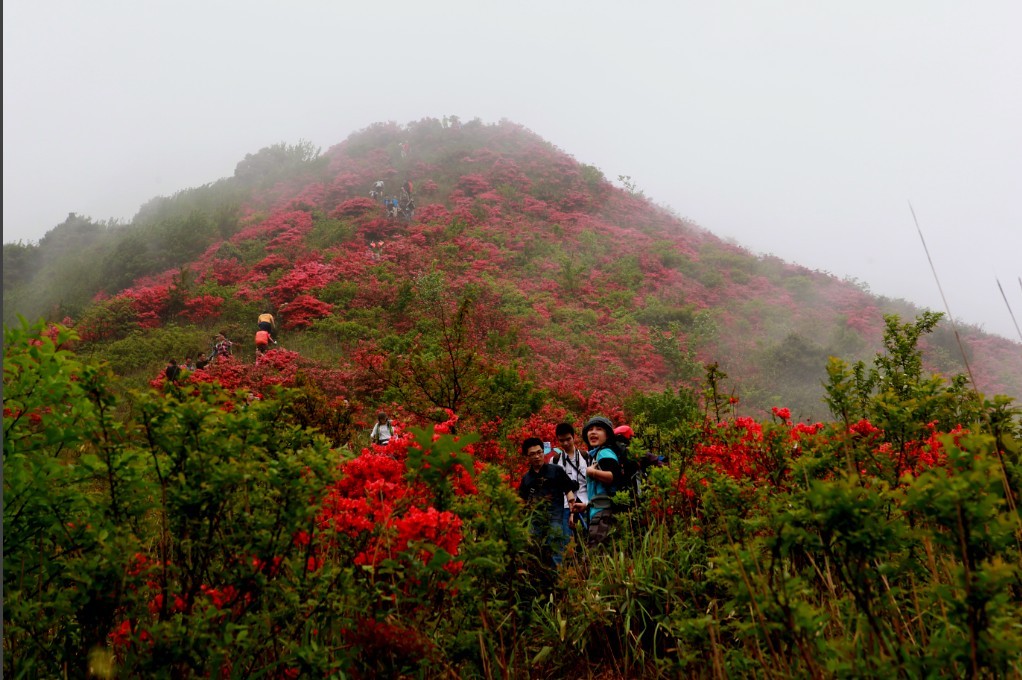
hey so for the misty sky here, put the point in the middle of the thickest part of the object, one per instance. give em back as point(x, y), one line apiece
point(800, 129)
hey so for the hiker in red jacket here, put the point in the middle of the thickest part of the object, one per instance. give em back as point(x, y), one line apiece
point(263, 340)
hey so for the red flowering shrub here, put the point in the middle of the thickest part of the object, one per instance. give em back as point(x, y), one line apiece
point(783, 413)
point(227, 272)
point(150, 304)
point(271, 262)
point(506, 171)
point(344, 185)
point(432, 213)
point(305, 277)
point(864, 428)
point(305, 309)
point(355, 207)
point(294, 221)
point(743, 449)
point(473, 184)
point(202, 308)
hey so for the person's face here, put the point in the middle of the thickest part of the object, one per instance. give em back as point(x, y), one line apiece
point(382, 418)
point(535, 456)
point(596, 436)
point(567, 442)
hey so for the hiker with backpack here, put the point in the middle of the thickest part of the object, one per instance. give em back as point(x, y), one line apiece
point(391, 206)
point(221, 347)
point(383, 430)
point(266, 322)
point(604, 477)
point(548, 486)
point(263, 340)
point(574, 461)
point(409, 209)
point(172, 371)
point(643, 461)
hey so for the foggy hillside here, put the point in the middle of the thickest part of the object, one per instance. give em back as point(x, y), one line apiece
point(547, 274)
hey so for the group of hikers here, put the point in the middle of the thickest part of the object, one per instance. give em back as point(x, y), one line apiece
point(405, 207)
point(222, 348)
point(571, 486)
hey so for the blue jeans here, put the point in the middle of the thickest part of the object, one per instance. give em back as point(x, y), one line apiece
point(560, 535)
point(555, 535)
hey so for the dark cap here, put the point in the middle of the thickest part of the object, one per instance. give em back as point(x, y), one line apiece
point(599, 421)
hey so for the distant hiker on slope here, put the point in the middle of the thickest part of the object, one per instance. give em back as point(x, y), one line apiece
point(263, 342)
point(383, 430)
point(267, 323)
point(221, 347)
point(172, 371)
point(409, 209)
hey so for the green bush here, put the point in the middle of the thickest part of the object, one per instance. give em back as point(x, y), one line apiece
point(182, 534)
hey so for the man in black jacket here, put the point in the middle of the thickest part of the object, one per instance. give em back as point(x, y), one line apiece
point(547, 485)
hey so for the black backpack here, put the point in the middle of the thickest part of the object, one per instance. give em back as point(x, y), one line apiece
point(632, 476)
point(633, 479)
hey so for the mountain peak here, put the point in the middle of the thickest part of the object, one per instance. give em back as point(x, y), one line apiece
point(464, 257)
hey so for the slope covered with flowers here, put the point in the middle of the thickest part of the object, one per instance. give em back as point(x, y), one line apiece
point(536, 267)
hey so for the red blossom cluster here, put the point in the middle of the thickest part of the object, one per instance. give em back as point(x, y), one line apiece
point(471, 185)
point(784, 414)
point(295, 221)
point(737, 448)
point(150, 303)
point(202, 308)
point(355, 207)
point(302, 278)
point(305, 309)
point(228, 272)
point(270, 263)
point(375, 506)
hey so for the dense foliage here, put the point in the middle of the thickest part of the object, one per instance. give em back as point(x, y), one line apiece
point(196, 530)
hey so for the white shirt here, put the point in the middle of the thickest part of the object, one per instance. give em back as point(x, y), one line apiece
point(575, 465)
point(385, 432)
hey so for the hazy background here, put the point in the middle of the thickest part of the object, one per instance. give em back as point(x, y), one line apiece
point(801, 129)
